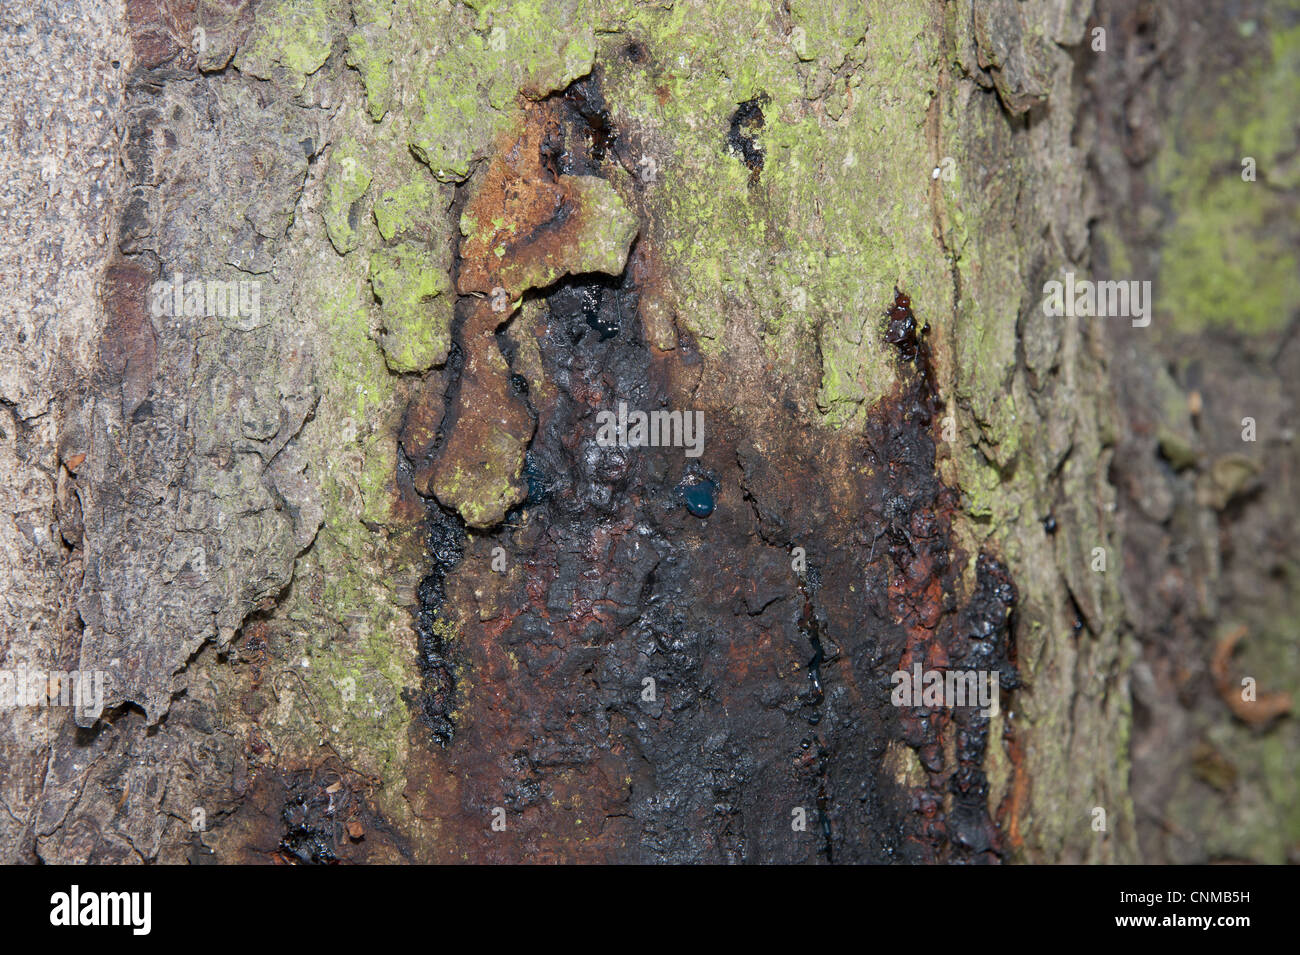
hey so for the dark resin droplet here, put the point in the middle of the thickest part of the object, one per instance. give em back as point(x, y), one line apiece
point(606, 329)
point(539, 488)
point(701, 497)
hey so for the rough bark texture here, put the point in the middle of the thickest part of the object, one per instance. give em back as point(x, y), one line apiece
point(364, 583)
point(1206, 460)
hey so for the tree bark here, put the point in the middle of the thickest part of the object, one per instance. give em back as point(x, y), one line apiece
point(318, 309)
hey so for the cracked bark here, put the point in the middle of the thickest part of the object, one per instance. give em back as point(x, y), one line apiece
point(359, 573)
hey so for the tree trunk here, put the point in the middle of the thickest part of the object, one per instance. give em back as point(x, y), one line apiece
point(334, 324)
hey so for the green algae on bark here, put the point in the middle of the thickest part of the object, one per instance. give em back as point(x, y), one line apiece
point(347, 181)
point(414, 290)
point(291, 39)
point(1229, 259)
point(791, 250)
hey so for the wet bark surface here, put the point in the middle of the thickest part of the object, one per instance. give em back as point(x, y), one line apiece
point(678, 652)
point(768, 621)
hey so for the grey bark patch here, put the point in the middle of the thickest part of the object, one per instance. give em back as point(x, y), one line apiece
point(194, 500)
